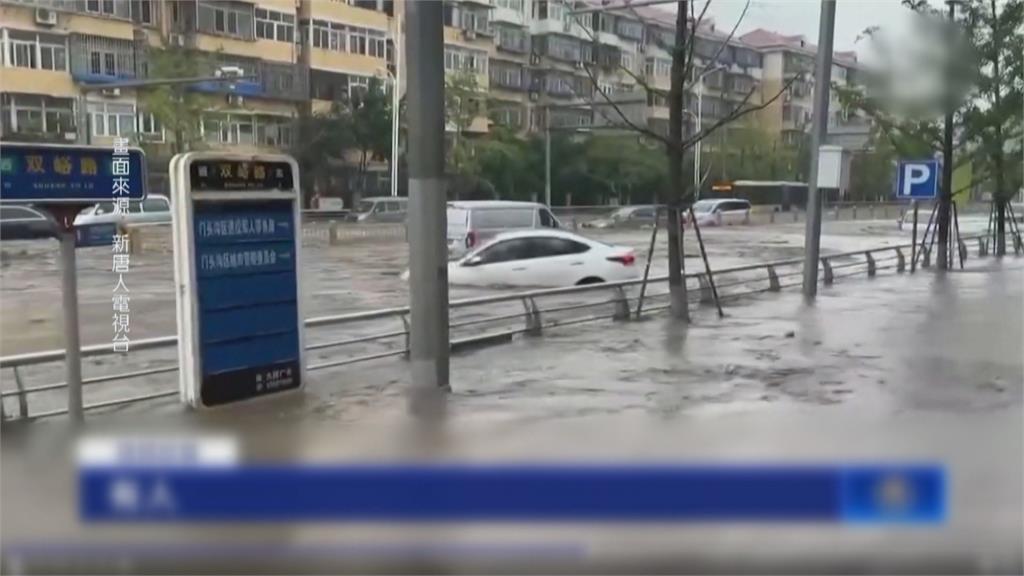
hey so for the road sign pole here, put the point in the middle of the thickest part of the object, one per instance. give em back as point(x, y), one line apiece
point(913, 241)
point(65, 218)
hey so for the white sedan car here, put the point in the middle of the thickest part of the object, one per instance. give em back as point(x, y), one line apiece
point(154, 209)
point(543, 258)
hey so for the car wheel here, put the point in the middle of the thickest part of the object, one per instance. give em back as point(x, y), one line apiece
point(590, 280)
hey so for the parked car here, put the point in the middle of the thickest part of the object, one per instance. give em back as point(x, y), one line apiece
point(24, 223)
point(543, 258)
point(720, 212)
point(154, 209)
point(471, 223)
point(380, 209)
point(627, 217)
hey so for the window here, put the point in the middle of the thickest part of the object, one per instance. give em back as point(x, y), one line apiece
point(503, 218)
point(508, 115)
point(23, 54)
point(564, 48)
point(273, 132)
point(142, 11)
point(626, 60)
point(548, 247)
point(515, 5)
point(457, 59)
point(547, 220)
point(155, 205)
point(507, 74)
point(517, 249)
point(511, 39)
point(31, 114)
point(629, 29)
point(53, 57)
point(105, 7)
point(149, 126)
point(111, 119)
point(273, 25)
point(225, 18)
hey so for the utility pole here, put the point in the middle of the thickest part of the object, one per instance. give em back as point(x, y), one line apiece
point(819, 130)
point(427, 228)
point(946, 197)
point(547, 156)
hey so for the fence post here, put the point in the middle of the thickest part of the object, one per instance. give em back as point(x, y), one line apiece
point(773, 280)
point(926, 258)
point(533, 319)
point(827, 266)
point(962, 246)
point(332, 234)
point(706, 297)
point(22, 400)
point(405, 324)
point(901, 262)
point(872, 269)
point(622, 311)
point(854, 212)
point(1018, 244)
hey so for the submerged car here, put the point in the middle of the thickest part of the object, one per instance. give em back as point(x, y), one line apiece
point(154, 209)
point(472, 223)
point(720, 212)
point(627, 217)
point(543, 258)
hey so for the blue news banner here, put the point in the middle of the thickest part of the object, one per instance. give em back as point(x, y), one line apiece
point(897, 494)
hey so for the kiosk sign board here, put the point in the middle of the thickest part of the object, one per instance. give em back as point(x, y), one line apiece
point(236, 252)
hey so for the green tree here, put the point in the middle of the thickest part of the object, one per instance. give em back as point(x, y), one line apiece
point(368, 118)
point(463, 102)
point(175, 107)
point(321, 141)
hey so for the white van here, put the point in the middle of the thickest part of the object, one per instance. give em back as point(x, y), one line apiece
point(472, 222)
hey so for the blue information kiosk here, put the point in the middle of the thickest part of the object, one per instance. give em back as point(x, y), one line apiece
point(236, 254)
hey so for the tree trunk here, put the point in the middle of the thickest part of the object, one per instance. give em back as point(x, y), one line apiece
point(676, 283)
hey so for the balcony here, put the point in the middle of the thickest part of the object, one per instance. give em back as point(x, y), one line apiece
point(99, 60)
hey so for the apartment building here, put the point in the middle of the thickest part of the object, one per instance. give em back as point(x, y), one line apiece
point(785, 57)
point(536, 62)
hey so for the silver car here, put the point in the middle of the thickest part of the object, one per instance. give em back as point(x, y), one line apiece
point(472, 222)
point(153, 210)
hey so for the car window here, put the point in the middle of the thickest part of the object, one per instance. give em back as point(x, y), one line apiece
point(515, 249)
point(503, 218)
point(394, 207)
point(545, 247)
point(10, 213)
point(155, 205)
point(644, 213)
point(365, 206)
point(457, 219)
point(547, 220)
point(704, 206)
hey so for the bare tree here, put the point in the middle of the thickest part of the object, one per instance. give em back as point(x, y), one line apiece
point(676, 143)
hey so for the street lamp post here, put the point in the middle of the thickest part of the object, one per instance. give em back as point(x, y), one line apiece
point(396, 102)
point(700, 119)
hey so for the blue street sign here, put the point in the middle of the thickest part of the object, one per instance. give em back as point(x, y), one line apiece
point(917, 179)
point(238, 266)
point(60, 174)
point(95, 235)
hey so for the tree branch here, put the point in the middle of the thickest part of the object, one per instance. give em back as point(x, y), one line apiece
point(622, 115)
point(738, 113)
point(724, 42)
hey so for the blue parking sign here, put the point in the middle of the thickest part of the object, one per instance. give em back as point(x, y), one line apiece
point(917, 179)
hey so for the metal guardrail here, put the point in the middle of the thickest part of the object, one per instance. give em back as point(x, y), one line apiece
point(614, 302)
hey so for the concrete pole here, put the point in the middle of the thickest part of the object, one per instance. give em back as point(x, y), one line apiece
point(822, 81)
point(427, 227)
point(547, 156)
point(72, 344)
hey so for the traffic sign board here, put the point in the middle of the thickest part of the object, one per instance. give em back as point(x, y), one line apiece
point(917, 179)
point(61, 174)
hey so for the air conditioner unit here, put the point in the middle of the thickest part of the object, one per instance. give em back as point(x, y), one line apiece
point(46, 17)
point(236, 100)
point(111, 92)
point(176, 40)
point(469, 34)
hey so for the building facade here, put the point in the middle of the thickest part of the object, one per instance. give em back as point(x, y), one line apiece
point(537, 64)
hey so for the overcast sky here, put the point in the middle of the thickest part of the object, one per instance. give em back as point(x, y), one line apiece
point(801, 17)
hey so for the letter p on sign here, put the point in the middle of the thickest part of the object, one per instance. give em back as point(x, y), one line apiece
point(917, 179)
